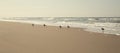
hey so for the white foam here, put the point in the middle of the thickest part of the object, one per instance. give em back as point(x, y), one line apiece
point(110, 28)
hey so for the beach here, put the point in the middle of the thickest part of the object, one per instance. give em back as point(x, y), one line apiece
point(25, 38)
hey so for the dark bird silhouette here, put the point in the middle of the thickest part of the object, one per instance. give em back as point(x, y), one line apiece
point(33, 25)
point(102, 29)
point(44, 25)
point(68, 26)
point(60, 26)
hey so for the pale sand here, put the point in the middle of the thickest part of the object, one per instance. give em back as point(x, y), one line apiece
point(23, 38)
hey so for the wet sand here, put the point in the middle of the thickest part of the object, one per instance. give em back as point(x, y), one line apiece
point(24, 38)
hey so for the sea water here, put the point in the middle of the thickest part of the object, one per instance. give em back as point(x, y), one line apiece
point(93, 24)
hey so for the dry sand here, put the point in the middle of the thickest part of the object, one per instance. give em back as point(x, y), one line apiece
point(23, 38)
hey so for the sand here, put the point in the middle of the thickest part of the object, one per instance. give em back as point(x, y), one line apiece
point(25, 38)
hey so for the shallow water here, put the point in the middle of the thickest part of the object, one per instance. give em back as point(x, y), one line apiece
point(94, 24)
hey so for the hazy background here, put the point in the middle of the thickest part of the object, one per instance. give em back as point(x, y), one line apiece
point(56, 8)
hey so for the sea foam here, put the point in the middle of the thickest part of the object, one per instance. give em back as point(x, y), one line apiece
point(94, 24)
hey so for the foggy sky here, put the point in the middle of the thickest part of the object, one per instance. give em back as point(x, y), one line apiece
point(59, 8)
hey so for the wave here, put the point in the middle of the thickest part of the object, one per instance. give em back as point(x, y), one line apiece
point(94, 24)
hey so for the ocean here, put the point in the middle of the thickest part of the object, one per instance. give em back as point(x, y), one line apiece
point(93, 24)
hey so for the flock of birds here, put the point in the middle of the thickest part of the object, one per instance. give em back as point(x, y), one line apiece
point(46, 25)
point(67, 27)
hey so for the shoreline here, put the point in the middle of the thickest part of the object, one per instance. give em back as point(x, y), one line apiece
point(58, 26)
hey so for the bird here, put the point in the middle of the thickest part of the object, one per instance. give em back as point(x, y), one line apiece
point(33, 25)
point(102, 29)
point(68, 26)
point(44, 25)
point(60, 26)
